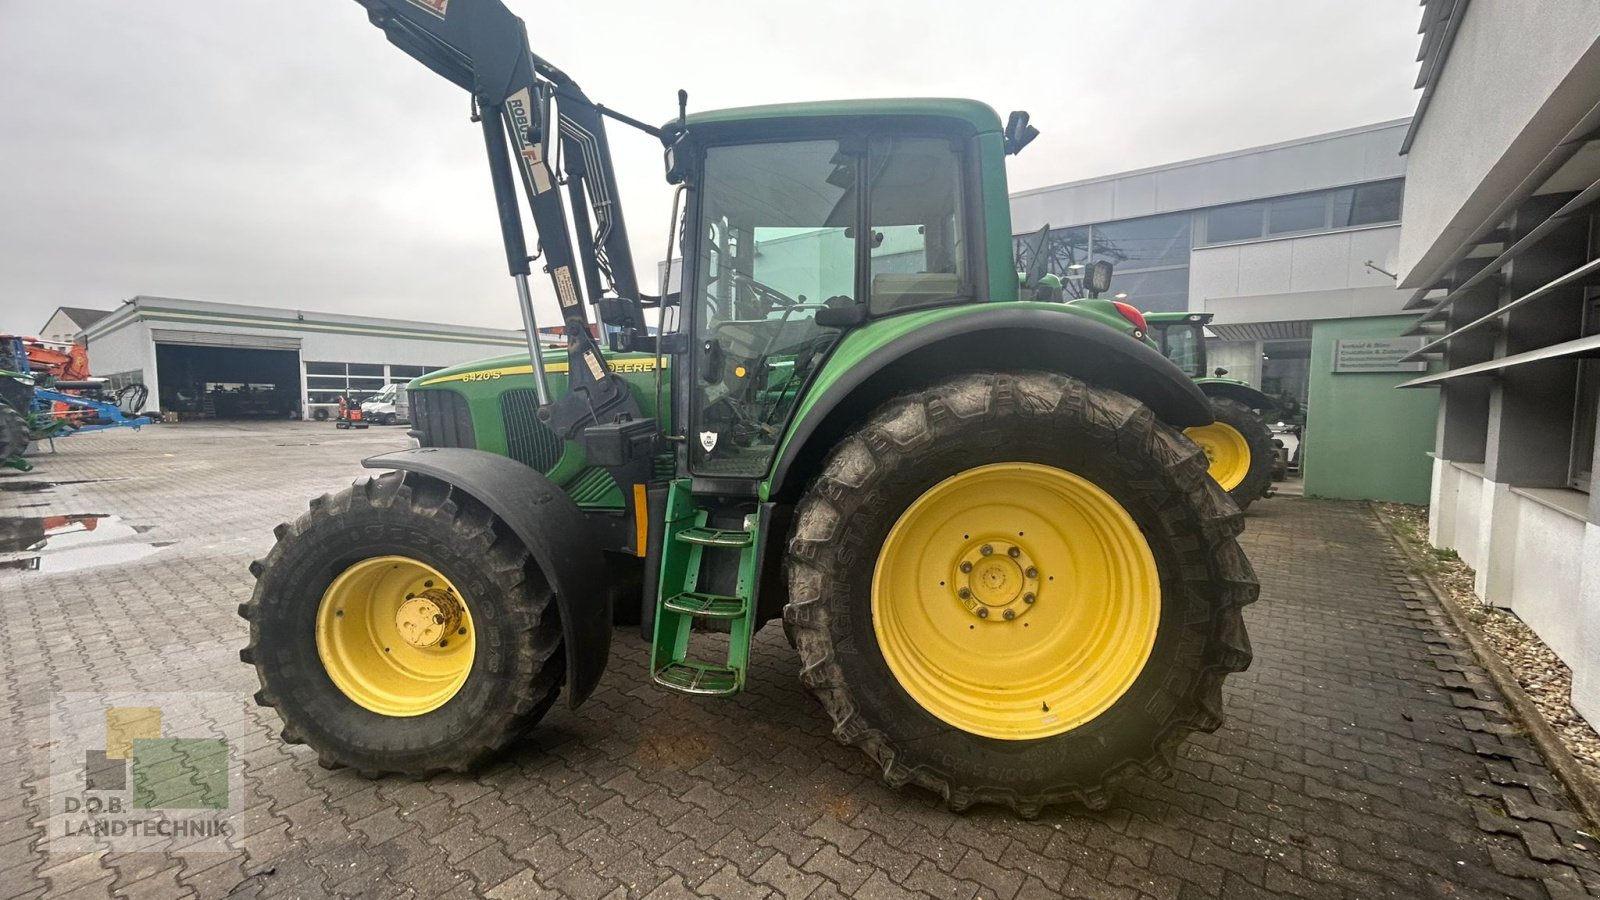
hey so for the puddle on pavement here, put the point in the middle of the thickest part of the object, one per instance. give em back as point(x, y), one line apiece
point(31, 486)
point(72, 542)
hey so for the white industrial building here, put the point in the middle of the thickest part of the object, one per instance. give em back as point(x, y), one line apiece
point(1268, 238)
point(1291, 247)
point(225, 360)
point(1501, 254)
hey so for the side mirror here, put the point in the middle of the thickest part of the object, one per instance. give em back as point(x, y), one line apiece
point(1220, 371)
point(1018, 133)
point(672, 156)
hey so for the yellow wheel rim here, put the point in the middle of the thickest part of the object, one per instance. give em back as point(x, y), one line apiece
point(1015, 601)
point(1227, 451)
point(395, 636)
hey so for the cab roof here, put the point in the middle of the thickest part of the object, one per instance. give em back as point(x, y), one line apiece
point(980, 116)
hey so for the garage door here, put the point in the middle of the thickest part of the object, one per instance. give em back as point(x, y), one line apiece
point(223, 339)
point(226, 380)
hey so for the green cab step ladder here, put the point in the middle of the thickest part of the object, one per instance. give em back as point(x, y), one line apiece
point(681, 603)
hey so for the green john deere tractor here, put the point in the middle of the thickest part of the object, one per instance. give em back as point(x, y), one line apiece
point(1239, 443)
point(1006, 572)
point(17, 424)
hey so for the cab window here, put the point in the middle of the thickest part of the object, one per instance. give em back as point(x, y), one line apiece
point(776, 244)
point(919, 252)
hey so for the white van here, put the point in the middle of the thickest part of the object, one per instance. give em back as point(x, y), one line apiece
point(387, 407)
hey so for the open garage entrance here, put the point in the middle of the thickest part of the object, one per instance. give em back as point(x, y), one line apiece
point(221, 376)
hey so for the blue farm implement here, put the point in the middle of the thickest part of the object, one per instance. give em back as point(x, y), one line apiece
point(36, 405)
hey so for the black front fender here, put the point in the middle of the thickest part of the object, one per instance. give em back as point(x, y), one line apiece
point(555, 532)
point(1006, 338)
point(1234, 390)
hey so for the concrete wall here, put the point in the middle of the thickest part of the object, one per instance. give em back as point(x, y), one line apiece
point(1525, 546)
point(1518, 77)
point(1318, 276)
point(1586, 673)
point(1364, 440)
point(395, 351)
point(1544, 579)
point(1368, 153)
point(128, 349)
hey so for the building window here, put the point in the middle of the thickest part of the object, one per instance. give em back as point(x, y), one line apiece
point(1306, 212)
point(1368, 204)
point(1240, 222)
point(1377, 203)
point(327, 381)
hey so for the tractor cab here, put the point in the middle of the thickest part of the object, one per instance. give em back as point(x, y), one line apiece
point(1181, 336)
point(1238, 444)
point(809, 220)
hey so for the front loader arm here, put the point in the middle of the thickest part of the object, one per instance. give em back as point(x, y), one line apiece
point(482, 47)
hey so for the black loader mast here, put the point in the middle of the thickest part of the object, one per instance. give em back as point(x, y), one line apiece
point(558, 134)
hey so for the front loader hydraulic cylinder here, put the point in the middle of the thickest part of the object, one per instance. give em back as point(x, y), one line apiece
point(505, 198)
point(541, 384)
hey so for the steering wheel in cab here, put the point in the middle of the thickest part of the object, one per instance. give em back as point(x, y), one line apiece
point(774, 298)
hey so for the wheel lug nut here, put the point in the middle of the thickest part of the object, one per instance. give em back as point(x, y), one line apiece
point(966, 567)
point(983, 613)
point(1032, 572)
point(1014, 552)
point(1010, 614)
point(964, 593)
point(986, 550)
point(1028, 598)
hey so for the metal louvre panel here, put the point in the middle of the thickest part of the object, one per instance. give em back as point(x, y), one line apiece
point(440, 418)
point(528, 440)
point(1262, 331)
point(223, 339)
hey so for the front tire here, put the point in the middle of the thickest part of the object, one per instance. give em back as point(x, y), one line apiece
point(353, 616)
point(1088, 641)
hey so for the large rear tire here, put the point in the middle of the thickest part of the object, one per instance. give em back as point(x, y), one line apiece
point(1017, 588)
point(399, 626)
point(1238, 447)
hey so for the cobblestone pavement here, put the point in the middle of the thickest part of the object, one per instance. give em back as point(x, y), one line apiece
point(1365, 755)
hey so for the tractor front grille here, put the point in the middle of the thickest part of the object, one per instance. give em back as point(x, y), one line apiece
point(528, 440)
point(440, 418)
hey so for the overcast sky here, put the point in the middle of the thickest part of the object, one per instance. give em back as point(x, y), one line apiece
point(283, 154)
